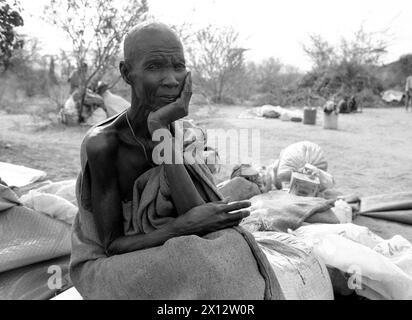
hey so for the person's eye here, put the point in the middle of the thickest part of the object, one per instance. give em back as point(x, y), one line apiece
point(180, 66)
point(154, 66)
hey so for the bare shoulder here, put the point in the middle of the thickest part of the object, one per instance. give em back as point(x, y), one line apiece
point(101, 144)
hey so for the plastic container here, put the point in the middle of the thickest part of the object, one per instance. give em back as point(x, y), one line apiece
point(309, 115)
point(330, 121)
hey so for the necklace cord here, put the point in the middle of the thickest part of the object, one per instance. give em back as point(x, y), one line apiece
point(137, 140)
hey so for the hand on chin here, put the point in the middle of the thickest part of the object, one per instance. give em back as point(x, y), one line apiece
point(161, 102)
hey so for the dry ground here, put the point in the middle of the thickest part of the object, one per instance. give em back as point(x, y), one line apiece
point(370, 153)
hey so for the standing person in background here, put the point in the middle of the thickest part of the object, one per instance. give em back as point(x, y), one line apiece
point(408, 92)
point(76, 76)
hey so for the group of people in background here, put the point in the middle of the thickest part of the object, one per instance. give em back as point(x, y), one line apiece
point(347, 104)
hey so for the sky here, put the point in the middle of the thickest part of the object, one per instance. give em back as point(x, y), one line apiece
point(268, 28)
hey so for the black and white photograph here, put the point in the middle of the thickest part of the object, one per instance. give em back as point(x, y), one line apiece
point(205, 154)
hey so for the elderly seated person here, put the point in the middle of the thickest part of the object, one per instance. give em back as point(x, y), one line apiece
point(157, 230)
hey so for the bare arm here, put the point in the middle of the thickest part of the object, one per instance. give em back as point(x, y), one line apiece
point(107, 208)
point(106, 201)
point(183, 190)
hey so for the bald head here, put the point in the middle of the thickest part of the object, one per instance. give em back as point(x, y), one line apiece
point(147, 37)
point(154, 65)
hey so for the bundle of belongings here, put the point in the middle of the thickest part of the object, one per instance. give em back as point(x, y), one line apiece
point(97, 106)
point(364, 242)
point(273, 112)
point(321, 246)
point(392, 96)
point(19, 176)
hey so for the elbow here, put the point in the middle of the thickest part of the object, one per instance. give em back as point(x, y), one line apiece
point(112, 249)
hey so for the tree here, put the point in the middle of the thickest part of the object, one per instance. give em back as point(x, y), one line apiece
point(52, 73)
point(321, 52)
point(347, 67)
point(29, 67)
point(216, 60)
point(363, 49)
point(185, 32)
point(267, 74)
point(96, 29)
point(10, 18)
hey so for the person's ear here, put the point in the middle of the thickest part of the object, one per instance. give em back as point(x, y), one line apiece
point(124, 72)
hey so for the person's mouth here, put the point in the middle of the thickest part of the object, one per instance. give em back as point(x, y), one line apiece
point(168, 98)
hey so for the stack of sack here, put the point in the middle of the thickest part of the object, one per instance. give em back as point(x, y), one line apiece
point(33, 248)
point(374, 268)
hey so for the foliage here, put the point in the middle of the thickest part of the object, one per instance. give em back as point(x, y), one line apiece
point(30, 68)
point(96, 29)
point(393, 75)
point(216, 60)
point(347, 68)
point(10, 41)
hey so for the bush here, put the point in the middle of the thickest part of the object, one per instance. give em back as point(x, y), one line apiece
point(199, 100)
point(260, 99)
point(368, 99)
point(223, 100)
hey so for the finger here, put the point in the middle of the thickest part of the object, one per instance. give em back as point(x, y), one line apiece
point(235, 221)
point(179, 108)
point(223, 201)
point(187, 90)
point(236, 206)
point(238, 215)
point(188, 82)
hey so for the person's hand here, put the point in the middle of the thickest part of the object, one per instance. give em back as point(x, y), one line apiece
point(178, 109)
point(211, 217)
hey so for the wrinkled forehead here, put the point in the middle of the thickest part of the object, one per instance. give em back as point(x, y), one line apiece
point(147, 43)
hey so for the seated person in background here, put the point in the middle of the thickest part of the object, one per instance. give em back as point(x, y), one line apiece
point(120, 150)
point(343, 105)
point(352, 104)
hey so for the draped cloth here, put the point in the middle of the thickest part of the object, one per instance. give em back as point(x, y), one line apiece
point(227, 264)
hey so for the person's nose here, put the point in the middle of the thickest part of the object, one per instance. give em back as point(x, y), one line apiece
point(170, 80)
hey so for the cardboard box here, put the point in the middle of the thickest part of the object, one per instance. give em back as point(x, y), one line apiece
point(304, 185)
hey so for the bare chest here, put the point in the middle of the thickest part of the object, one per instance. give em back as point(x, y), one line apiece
point(131, 164)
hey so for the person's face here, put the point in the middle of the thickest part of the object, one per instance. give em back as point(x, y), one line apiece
point(158, 72)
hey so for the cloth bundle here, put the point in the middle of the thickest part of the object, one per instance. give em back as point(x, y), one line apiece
point(281, 211)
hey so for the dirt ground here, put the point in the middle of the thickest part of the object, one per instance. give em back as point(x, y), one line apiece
point(371, 152)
